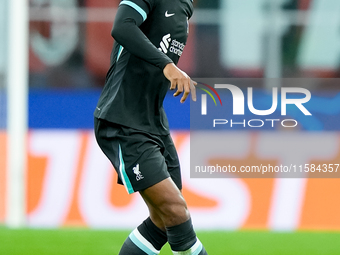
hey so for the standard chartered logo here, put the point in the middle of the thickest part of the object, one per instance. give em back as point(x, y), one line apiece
point(174, 46)
point(165, 43)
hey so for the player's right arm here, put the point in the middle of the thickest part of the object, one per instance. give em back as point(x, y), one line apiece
point(127, 33)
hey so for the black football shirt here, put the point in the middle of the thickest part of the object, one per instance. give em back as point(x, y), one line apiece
point(148, 34)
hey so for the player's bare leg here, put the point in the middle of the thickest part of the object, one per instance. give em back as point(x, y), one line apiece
point(169, 212)
point(166, 203)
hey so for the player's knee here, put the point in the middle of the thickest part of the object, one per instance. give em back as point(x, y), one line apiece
point(174, 213)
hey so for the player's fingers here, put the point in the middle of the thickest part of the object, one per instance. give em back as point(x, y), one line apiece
point(186, 92)
point(173, 84)
point(184, 97)
point(193, 90)
point(179, 90)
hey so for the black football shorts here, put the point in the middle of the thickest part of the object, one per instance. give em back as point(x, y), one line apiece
point(141, 159)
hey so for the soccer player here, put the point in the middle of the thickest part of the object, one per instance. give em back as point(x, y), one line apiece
point(131, 126)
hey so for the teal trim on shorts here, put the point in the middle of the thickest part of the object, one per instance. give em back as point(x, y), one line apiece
point(125, 178)
point(121, 48)
point(136, 7)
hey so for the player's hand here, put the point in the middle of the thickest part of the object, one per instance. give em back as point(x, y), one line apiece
point(181, 81)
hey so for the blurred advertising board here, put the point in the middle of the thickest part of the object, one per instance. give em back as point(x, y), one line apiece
point(71, 183)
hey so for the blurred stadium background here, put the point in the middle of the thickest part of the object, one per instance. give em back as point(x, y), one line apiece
point(67, 181)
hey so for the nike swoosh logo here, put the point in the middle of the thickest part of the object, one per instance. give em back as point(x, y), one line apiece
point(169, 15)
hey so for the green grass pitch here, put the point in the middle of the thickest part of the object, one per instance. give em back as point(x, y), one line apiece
point(95, 242)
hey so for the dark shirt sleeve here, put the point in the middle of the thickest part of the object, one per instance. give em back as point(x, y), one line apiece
point(127, 33)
